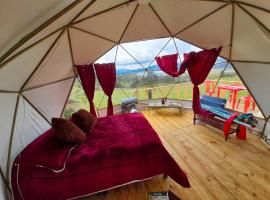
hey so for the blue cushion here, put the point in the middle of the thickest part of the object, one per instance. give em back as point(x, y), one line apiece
point(213, 101)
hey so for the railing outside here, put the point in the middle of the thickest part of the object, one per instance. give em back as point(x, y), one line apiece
point(181, 91)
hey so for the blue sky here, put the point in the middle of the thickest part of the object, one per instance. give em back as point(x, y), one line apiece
point(145, 52)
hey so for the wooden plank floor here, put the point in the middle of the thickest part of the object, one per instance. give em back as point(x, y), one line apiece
point(232, 170)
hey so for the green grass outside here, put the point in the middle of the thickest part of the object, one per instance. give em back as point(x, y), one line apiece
point(78, 99)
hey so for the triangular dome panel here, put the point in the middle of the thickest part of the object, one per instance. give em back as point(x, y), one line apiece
point(262, 16)
point(7, 107)
point(251, 41)
point(55, 25)
point(99, 6)
point(185, 47)
point(127, 63)
point(87, 48)
point(258, 84)
point(260, 3)
point(145, 51)
point(100, 100)
point(149, 84)
point(28, 126)
point(19, 18)
point(170, 48)
point(129, 83)
point(20, 68)
point(56, 66)
point(50, 99)
point(118, 95)
point(218, 35)
point(144, 25)
point(76, 100)
point(110, 24)
point(109, 57)
point(179, 15)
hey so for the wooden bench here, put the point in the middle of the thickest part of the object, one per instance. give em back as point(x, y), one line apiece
point(216, 105)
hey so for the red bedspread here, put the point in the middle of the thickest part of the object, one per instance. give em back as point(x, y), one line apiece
point(122, 149)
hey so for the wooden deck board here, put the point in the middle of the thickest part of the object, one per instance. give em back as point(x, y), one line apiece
point(232, 170)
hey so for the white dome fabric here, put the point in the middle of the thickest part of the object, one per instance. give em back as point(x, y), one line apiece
point(41, 41)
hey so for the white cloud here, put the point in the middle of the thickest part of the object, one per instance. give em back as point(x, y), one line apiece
point(145, 52)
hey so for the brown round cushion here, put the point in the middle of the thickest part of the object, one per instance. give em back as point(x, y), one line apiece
point(68, 131)
point(84, 120)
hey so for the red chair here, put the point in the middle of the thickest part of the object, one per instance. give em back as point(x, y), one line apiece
point(247, 100)
point(209, 87)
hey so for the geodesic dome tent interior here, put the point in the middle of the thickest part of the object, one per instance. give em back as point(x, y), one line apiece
point(41, 41)
point(138, 75)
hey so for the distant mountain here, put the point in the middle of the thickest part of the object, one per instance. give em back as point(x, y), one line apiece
point(220, 64)
point(128, 71)
point(134, 71)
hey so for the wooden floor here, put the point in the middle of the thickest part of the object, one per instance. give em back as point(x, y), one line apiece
point(232, 170)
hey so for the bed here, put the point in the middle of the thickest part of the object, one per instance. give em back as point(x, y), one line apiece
point(122, 149)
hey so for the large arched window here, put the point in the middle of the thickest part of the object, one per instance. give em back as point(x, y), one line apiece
point(138, 75)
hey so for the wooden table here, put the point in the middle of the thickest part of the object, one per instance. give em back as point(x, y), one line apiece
point(233, 88)
point(158, 104)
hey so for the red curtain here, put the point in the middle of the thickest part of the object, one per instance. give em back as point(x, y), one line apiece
point(199, 65)
point(106, 75)
point(168, 64)
point(88, 79)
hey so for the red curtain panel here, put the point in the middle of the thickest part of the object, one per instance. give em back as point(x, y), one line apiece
point(168, 64)
point(199, 65)
point(106, 75)
point(88, 79)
